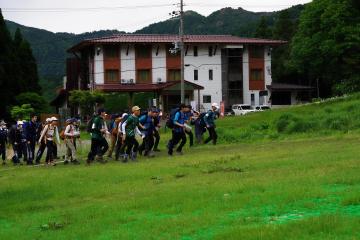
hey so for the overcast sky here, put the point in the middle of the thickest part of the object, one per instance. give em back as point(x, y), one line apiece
point(79, 16)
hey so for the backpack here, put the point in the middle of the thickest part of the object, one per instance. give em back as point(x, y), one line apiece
point(115, 129)
point(170, 120)
point(89, 124)
point(201, 119)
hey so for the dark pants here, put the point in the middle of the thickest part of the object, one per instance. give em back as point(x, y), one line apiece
point(118, 147)
point(98, 147)
point(176, 137)
point(20, 150)
point(157, 139)
point(40, 151)
point(191, 137)
point(3, 150)
point(31, 150)
point(50, 151)
point(212, 135)
point(147, 144)
point(199, 131)
point(131, 144)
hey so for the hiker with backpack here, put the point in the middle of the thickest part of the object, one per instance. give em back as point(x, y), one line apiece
point(119, 145)
point(17, 138)
point(50, 135)
point(31, 131)
point(157, 120)
point(42, 144)
point(70, 135)
point(209, 119)
point(176, 122)
point(189, 115)
point(130, 128)
point(3, 140)
point(147, 121)
point(200, 126)
point(99, 145)
point(114, 130)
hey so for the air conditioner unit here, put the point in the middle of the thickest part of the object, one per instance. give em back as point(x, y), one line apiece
point(159, 80)
point(131, 81)
point(123, 81)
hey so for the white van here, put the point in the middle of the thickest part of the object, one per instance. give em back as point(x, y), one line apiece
point(242, 109)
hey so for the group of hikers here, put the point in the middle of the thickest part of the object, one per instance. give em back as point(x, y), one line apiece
point(122, 132)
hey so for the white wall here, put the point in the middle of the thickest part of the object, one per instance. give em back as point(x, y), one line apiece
point(127, 65)
point(267, 59)
point(159, 63)
point(99, 65)
point(203, 63)
point(246, 92)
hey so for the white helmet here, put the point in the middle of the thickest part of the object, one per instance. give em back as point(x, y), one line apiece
point(215, 105)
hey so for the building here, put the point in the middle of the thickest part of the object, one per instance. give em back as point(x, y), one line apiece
point(217, 68)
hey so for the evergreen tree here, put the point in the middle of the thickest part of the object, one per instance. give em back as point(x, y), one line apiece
point(262, 30)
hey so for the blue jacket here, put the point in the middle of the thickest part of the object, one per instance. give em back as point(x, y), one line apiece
point(179, 118)
point(148, 123)
point(209, 118)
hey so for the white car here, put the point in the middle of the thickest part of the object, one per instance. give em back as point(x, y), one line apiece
point(242, 109)
point(262, 108)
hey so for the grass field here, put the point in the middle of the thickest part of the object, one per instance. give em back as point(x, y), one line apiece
point(268, 183)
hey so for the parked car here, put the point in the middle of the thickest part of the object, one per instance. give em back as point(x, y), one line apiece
point(242, 109)
point(262, 108)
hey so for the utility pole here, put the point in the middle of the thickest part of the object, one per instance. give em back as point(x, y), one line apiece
point(182, 52)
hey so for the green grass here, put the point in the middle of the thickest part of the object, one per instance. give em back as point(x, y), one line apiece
point(299, 185)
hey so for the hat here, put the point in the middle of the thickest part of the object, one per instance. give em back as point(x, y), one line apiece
point(20, 122)
point(69, 120)
point(48, 120)
point(53, 119)
point(2, 123)
point(214, 105)
point(135, 108)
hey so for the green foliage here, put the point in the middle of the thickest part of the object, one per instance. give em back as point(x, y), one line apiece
point(86, 100)
point(327, 45)
point(35, 100)
point(262, 30)
point(22, 112)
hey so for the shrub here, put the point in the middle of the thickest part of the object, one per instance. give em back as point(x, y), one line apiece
point(283, 122)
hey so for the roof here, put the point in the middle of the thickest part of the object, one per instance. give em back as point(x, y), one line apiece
point(289, 87)
point(170, 38)
point(144, 87)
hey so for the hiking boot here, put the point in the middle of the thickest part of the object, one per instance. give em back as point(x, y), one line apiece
point(88, 162)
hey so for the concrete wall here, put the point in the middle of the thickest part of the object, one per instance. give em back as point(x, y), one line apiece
point(99, 65)
point(128, 70)
point(159, 63)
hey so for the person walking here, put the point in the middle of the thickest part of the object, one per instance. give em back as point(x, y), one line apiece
point(31, 131)
point(114, 130)
point(19, 142)
point(130, 128)
point(70, 134)
point(119, 149)
point(188, 119)
point(147, 121)
point(50, 134)
point(178, 132)
point(209, 120)
point(157, 120)
point(3, 140)
point(99, 145)
point(42, 144)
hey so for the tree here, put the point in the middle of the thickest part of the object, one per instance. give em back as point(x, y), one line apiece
point(37, 102)
point(86, 101)
point(326, 46)
point(22, 112)
point(262, 30)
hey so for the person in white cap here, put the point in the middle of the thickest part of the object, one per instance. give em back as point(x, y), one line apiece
point(3, 140)
point(209, 120)
point(42, 146)
point(50, 134)
point(70, 134)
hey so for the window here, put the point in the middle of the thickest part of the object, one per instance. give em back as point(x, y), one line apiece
point(143, 51)
point(143, 76)
point(195, 51)
point(111, 52)
point(210, 74)
point(174, 75)
point(207, 99)
point(210, 51)
point(111, 76)
point(196, 75)
point(256, 75)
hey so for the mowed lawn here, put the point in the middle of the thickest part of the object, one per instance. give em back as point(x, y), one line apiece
point(282, 189)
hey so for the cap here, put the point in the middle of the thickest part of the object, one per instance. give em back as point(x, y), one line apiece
point(20, 122)
point(53, 119)
point(48, 120)
point(135, 108)
point(215, 105)
point(69, 120)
